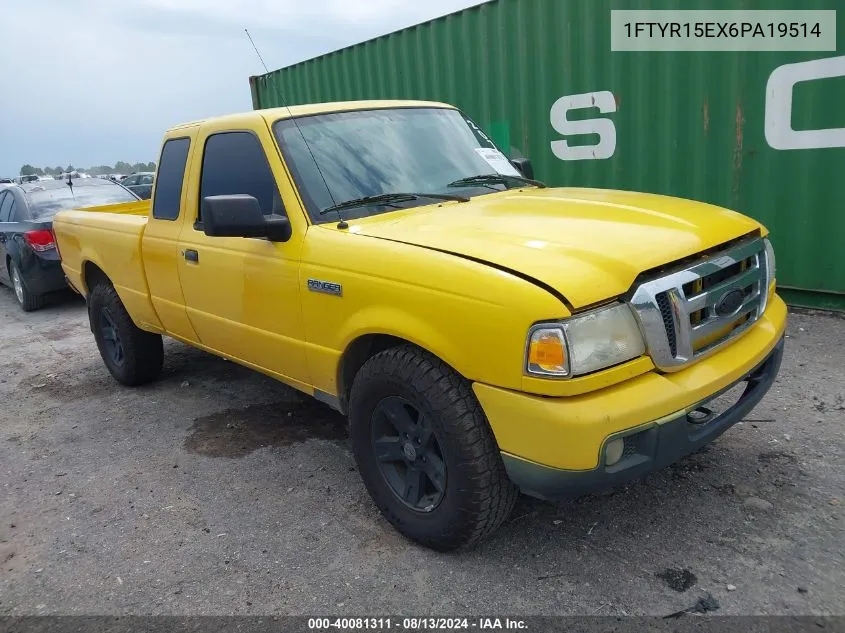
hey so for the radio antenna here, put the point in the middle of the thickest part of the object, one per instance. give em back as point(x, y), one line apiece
point(260, 58)
point(342, 224)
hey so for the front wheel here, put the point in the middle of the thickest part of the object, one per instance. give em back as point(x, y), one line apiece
point(132, 356)
point(425, 450)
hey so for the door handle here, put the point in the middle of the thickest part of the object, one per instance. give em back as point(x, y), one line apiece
point(191, 255)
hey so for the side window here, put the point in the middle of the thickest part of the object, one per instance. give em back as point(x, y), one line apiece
point(14, 214)
point(234, 162)
point(171, 173)
point(6, 201)
point(146, 180)
point(129, 181)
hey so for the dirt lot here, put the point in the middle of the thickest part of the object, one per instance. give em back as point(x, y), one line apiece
point(219, 491)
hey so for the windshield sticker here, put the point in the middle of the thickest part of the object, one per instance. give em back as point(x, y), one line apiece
point(497, 161)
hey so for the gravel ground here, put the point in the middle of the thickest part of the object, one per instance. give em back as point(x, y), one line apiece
point(219, 491)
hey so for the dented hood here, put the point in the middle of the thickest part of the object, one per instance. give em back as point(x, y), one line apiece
point(587, 244)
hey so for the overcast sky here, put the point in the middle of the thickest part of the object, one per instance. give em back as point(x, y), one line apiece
point(96, 81)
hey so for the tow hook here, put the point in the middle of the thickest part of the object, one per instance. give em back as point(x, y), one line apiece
point(700, 415)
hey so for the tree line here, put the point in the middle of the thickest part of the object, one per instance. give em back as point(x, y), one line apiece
point(120, 167)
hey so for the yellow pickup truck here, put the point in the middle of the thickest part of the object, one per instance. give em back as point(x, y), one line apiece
point(485, 334)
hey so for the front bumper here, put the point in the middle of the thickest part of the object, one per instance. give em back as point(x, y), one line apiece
point(647, 448)
point(568, 434)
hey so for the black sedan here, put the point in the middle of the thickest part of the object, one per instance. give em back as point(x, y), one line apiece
point(30, 260)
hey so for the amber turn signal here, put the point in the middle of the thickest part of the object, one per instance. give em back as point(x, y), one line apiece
point(547, 353)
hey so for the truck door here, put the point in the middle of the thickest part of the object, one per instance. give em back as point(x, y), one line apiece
point(160, 247)
point(242, 294)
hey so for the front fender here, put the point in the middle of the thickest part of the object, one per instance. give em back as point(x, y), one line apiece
point(324, 362)
point(393, 321)
point(472, 316)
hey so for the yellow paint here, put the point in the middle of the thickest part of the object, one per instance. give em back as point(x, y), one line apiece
point(136, 207)
point(418, 275)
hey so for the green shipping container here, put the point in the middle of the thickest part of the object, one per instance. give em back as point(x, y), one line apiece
point(759, 132)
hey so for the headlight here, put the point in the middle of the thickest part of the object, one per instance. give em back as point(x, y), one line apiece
point(584, 343)
point(771, 266)
point(770, 274)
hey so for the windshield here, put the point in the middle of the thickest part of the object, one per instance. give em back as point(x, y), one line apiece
point(373, 152)
point(57, 196)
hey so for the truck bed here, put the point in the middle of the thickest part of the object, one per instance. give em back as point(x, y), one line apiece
point(108, 237)
point(138, 207)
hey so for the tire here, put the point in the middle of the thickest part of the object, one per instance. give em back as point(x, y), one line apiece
point(133, 356)
point(474, 495)
point(27, 300)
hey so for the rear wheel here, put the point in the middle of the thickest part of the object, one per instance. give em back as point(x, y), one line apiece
point(133, 356)
point(425, 450)
point(28, 301)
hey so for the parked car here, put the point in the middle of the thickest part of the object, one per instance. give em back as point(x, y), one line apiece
point(484, 333)
point(72, 174)
point(140, 183)
point(30, 261)
point(22, 180)
point(7, 181)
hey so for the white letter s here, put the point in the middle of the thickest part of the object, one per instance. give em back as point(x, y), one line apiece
point(605, 148)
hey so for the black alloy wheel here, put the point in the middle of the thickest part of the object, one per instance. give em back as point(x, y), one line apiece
point(111, 337)
point(408, 454)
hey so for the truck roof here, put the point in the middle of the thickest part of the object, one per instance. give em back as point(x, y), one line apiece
point(274, 114)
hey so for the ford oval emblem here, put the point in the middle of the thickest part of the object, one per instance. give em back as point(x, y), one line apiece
point(730, 302)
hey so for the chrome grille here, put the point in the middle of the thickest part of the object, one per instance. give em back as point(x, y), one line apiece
point(666, 313)
point(689, 313)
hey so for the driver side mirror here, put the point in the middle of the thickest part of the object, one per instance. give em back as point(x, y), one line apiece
point(523, 165)
point(239, 215)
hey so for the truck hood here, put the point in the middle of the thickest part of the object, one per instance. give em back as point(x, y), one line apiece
point(587, 244)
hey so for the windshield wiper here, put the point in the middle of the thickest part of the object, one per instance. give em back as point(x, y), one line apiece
point(497, 179)
point(390, 199)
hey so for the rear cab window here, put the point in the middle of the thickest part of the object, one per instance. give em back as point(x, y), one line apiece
point(171, 174)
point(235, 163)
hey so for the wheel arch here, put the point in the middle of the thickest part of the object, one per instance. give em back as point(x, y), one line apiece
point(92, 275)
point(13, 256)
point(359, 351)
point(8, 264)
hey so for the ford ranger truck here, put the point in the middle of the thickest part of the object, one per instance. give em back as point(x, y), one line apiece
point(484, 334)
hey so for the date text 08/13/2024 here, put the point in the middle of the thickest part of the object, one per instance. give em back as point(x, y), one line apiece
point(416, 624)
